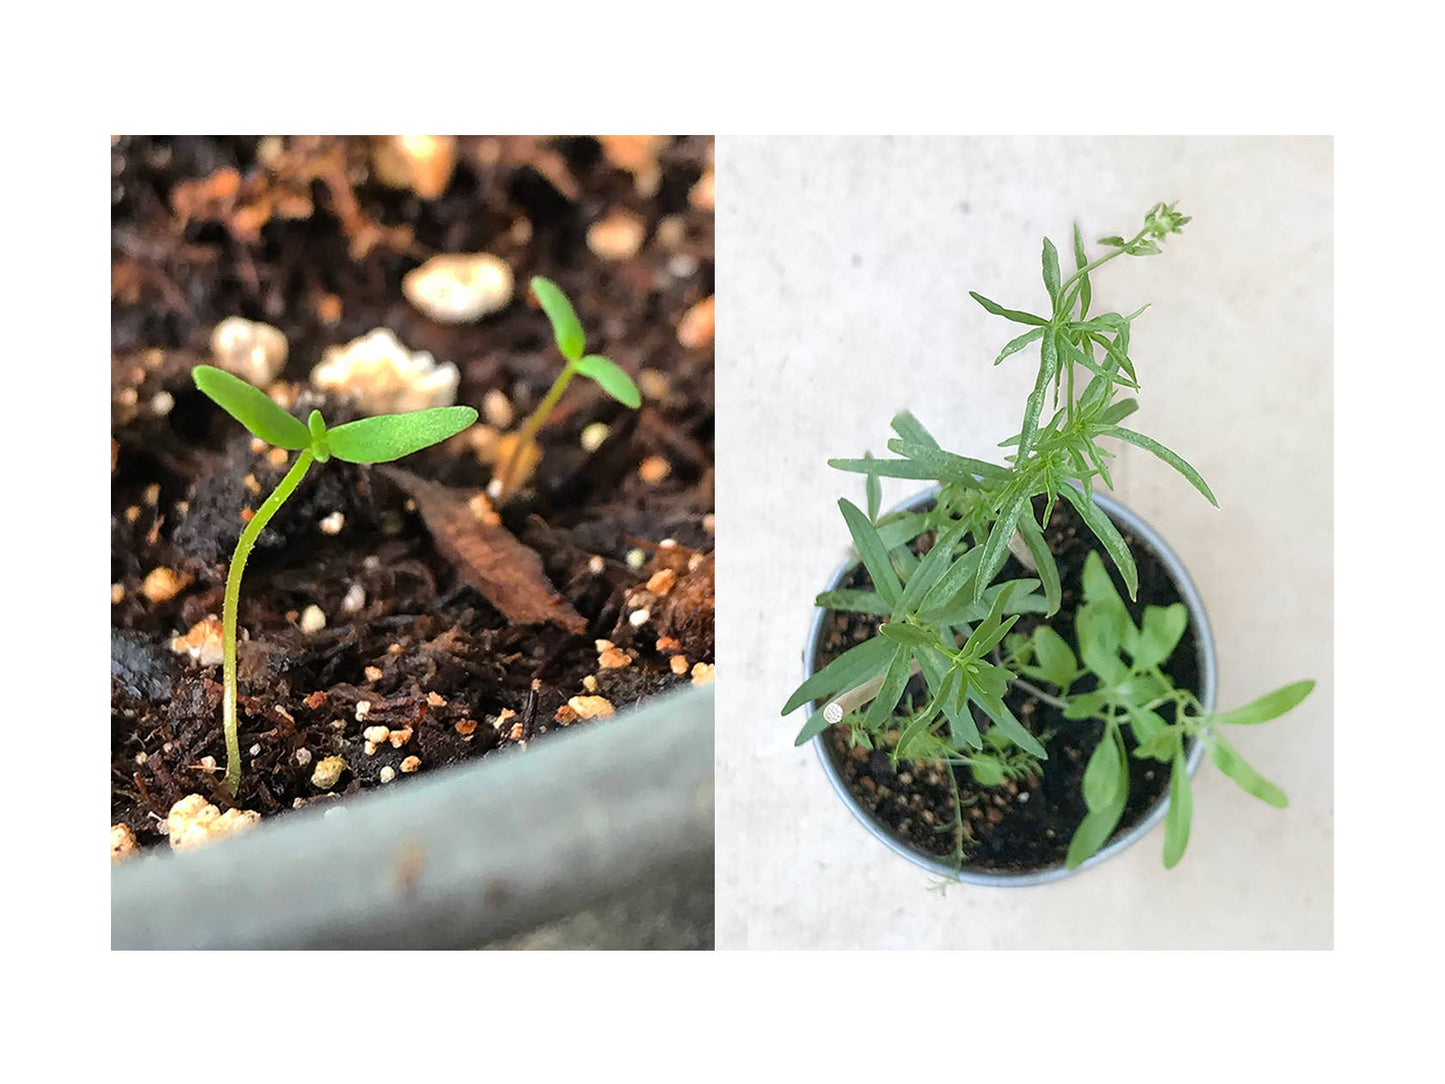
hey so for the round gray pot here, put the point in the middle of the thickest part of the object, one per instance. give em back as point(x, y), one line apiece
point(1199, 622)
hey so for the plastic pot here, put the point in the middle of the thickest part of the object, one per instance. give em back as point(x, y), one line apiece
point(478, 852)
point(1199, 623)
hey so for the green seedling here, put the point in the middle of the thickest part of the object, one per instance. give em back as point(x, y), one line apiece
point(572, 343)
point(944, 616)
point(370, 440)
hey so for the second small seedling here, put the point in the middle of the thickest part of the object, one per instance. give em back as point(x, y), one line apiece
point(369, 440)
point(571, 341)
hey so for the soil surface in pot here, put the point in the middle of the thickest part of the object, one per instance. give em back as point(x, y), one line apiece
point(301, 234)
point(1024, 825)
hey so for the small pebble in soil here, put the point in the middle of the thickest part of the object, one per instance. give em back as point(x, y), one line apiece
point(398, 738)
point(497, 409)
point(303, 757)
point(662, 581)
point(328, 771)
point(617, 237)
point(387, 774)
point(695, 329)
point(375, 735)
point(671, 231)
point(613, 659)
point(654, 469)
point(589, 682)
point(591, 707)
point(422, 164)
point(194, 822)
point(411, 764)
point(436, 700)
point(654, 384)
point(313, 619)
point(593, 436)
point(700, 195)
point(117, 593)
point(122, 843)
point(373, 673)
point(363, 709)
point(678, 664)
point(466, 727)
point(151, 495)
point(703, 673)
point(595, 565)
point(253, 351)
point(162, 403)
point(354, 599)
point(384, 376)
point(333, 523)
point(163, 584)
point(638, 618)
point(636, 559)
point(203, 642)
point(459, 287)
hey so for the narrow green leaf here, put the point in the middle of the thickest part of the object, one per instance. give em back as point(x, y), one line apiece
point(1103, 527)
point(1004, 719)
point(252, 407)
point(1118, 411)
point(944, 679)
point(850, 669)
point(1269, 706)
point(815, 725)
point(1044, 562)
point(995, 550)
point(894, 682)
point(611, 378)
point(1009, 314)
point(1048, 369)
point(953, 580)
point(873, 489)
point(1228, 760)
point(933, 565)
point(911, 635)
point(1051, 271)
point(566, 328)
point(1151, 445)
point(911, 429)
point(870, 549)
point(885, 468)
point(1015, 345)
point(1080, 262)
point(391, 436)
point(902, 530)
point(947, 466)
point(1181, 811)
point(855, 602)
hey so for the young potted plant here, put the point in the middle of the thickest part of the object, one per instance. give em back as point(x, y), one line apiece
point(981, 693)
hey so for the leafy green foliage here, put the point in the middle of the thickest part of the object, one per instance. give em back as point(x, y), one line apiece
point(942, 616)
point(369, 440)
point(566, 328)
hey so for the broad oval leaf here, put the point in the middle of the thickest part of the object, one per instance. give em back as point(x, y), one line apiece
point(1056, 658)
point(391, 436)
point(252, 407)
point(1159, 634)
point(566, 328)
point(1096, 828)
point(1181, 811)
point(611, 378)
point(1269, 706)
point(1102, 775)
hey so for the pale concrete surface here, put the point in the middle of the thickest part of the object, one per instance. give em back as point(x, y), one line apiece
point(844, 265)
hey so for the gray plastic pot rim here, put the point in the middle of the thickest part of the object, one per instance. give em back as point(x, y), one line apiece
point(1208, 679)
point(479, 851)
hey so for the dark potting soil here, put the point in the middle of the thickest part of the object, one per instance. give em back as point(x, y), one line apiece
point(404, 629)
point(1026, 824)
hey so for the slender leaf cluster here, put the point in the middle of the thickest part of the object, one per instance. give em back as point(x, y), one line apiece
point(946, 616)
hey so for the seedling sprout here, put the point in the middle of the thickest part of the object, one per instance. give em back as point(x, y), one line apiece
point(572, 343)
point(369, 440)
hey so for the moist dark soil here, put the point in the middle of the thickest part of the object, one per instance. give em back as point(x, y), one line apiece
point(405, 631)
point(1023, 825)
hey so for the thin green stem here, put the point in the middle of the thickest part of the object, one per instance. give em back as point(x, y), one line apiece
point(527, 434)
point(252, 531)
